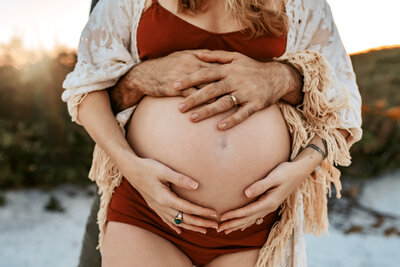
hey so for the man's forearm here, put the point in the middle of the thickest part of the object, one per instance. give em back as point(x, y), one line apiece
point(294, 95)
point(125, 93)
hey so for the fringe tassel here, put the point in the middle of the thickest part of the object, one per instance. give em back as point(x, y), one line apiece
point(73, 106)
point(107, 176)
point(316, 116)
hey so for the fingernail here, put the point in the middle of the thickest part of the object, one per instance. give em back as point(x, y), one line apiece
point(181, 106)
point(223, 125)
point(177, 85)
point(194, 185)
point(249, 193)
point(227, 232)
point(219, 230)
point(204, 232)
point(194, 116)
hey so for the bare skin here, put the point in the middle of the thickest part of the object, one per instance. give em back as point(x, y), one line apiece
point(280, 183)
point(145, 79)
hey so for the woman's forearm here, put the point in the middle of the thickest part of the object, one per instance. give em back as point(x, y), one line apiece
point(97, 118)
point(310, 158)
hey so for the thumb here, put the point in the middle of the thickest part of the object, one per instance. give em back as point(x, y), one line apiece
point(259, 187)
point(182, 180)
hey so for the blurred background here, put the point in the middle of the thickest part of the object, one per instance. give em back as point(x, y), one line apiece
point(45, 195)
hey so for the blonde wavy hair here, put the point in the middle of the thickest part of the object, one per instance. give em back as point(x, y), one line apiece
point(257, 16)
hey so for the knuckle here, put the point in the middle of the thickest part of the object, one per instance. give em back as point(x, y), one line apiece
point(273, 204)
point(259, 103)
point(217, 73)
point(180, 180)
point(205, 113)
point(211, 90)
point(224, 85)
point(213, 110)
point(185, 93)
point(215, 87)
point(256, 189)
point(253, 209)
point(194, 221)
point(233, 120)
point(200, 211)
point(250, 111)
point(159, 91)
point(205, 74)
point(226, 102)
point(203, 224)
point(191, 100)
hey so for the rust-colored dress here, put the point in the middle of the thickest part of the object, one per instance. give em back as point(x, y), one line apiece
point(154, 32)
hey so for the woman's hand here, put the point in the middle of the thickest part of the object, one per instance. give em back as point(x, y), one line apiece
point(153, 179)
point(256, 85)
point(273, 191)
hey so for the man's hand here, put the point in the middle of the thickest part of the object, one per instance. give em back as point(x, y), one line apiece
point(155, 77)
point(256, 85)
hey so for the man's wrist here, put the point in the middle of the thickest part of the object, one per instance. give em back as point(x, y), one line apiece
point(292, 92)
point(126, 92)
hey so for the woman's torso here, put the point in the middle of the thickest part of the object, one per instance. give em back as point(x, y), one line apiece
point(224, 162)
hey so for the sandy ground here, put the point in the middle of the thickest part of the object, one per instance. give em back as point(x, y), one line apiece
point(30, 236)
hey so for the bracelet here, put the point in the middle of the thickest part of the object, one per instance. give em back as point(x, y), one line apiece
point(325, 146)
point(324, 155)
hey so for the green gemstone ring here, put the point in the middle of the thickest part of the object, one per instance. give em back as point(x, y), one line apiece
point(179, 218)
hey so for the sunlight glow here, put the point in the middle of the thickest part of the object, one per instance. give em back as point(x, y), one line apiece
point(43, 23)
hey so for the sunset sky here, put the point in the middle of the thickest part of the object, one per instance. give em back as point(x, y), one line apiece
point(363, 24)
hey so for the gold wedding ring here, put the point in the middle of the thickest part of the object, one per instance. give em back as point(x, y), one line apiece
point(234, 99)
point(259, 221)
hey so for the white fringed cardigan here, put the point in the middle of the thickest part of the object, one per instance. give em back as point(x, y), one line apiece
point(107, 50)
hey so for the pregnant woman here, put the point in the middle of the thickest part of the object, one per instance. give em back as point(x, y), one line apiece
point(175, 192)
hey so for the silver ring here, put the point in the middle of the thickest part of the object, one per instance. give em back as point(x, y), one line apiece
point(234, 99)
point(179, 218)
point(259, 221)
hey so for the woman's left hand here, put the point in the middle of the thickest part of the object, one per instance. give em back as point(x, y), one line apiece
point(274, 189)
point(256, 85)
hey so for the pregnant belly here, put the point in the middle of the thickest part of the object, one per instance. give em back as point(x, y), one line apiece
point(224, 163)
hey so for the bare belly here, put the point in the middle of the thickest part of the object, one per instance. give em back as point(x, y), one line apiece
point(224, 163)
